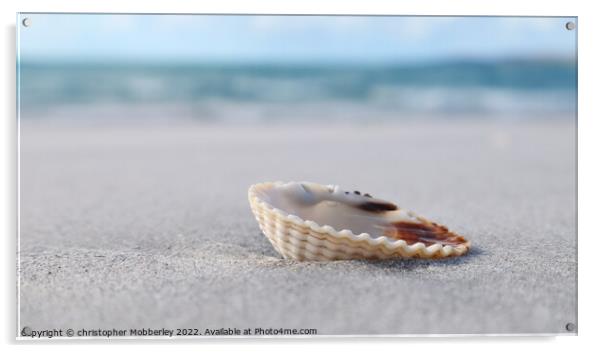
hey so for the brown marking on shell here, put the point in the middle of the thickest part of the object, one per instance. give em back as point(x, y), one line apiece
point(377, 206)
point(427, 233)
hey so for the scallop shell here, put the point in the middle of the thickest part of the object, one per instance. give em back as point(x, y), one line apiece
point(309, 221)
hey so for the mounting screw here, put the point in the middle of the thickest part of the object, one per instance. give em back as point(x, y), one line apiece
point(570, 327)
point(26, 331)
point(26, 22)
point(570, 25)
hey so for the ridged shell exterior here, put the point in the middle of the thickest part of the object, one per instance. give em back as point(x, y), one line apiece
point(298, 239)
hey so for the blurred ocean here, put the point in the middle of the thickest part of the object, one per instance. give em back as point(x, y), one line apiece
point(525, 88)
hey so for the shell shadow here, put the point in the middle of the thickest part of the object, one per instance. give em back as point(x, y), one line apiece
point(265, 248)
point(411, 264)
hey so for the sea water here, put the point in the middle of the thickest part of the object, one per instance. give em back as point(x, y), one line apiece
point(278, 92)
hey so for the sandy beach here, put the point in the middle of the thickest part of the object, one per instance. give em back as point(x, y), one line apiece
point(148, 226)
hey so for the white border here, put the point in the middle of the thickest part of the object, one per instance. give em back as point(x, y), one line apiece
point(589, 156)
point(18, 181)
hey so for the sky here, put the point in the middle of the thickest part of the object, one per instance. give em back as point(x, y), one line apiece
point(223, 38)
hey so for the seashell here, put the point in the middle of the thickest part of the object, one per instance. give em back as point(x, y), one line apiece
point(309, 221)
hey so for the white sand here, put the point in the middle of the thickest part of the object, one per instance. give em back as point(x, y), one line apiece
point(149, 227)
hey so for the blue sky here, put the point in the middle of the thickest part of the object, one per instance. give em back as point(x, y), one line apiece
point(211, 38)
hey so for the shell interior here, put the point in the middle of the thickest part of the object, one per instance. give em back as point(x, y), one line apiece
point(357, 212)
